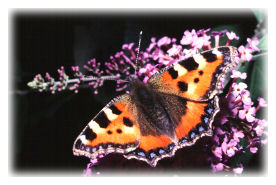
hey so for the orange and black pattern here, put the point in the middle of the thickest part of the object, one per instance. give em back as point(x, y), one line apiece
point(172, 110)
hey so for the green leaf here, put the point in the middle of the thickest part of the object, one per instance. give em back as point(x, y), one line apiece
point(258, 78)
point(244, 158)
point(263, 43)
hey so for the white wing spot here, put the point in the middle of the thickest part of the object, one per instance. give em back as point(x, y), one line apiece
point(191, 89)
point(181, 70)
point(128, 130)
point(200, 60)
point(217, 52)
point(95, 127)
point(110, 115)
point(83, 139)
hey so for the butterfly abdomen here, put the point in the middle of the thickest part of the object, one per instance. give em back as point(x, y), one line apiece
point(151, 108)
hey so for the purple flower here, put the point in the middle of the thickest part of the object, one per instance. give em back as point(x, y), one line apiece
point(253, 150)
point(229, 148)
point(148, 70)
point(253, 44)
point(231, 35)
point(88, 171)
point(237, 74)
point(223, 120)
point(245, 53)
point(247, 114)
point(238, 88)
point(245, 95)
point(263, 142)
point(262, 102)
point(203, 32)
point(219, 131)
point(217, 151)
point(217, 167)
point(189, 52)
point(230, 151)
point(188, 37)
point(238, 170)
point(216, 139)
point(200, 42)
point(235, 111)
point(165, 60)
point(152, 44)
point(174, 40)
point(175, 50)
point(237, 134)
point(163, 41)
point(128, 46)
point(219, 33)
point(259, 127)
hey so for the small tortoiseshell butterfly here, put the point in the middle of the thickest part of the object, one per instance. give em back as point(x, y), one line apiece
point(172, 110)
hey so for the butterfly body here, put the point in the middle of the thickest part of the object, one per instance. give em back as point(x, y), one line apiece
point(172, 110)
point(150, 105)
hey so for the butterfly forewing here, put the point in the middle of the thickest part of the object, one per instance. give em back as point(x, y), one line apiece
point(113, 130)
point(198, 77)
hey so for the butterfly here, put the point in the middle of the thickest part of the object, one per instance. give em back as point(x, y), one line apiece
point(172, 110)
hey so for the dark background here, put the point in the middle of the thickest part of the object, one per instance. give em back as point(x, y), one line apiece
point(44, 126)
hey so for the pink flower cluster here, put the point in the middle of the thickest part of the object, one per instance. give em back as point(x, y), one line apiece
point(237, 120)
point(245, 53)
point(159, 54)
point(196, 40)
point(48, 83)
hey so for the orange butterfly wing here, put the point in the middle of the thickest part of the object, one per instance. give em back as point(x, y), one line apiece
point(113, 130)
point(193, 120)
point(198, 77)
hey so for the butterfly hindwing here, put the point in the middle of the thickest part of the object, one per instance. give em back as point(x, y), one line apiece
point(152, 149)
point(198, 77)
point(156, 130)
point(196, 122)
point(190, 117)
point(113, 130)
point(192, 120)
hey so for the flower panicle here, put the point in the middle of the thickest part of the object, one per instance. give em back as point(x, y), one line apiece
point(237, 121)
point(160, 53)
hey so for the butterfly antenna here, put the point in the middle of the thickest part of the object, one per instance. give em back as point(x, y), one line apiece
point(138, 52)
